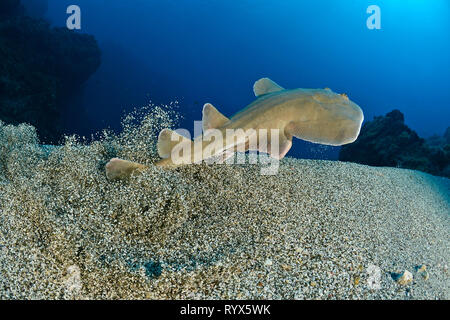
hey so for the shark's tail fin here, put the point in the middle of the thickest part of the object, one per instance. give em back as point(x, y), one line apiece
point(167, 140)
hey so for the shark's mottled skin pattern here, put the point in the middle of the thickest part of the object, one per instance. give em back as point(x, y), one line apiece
point(315, 115)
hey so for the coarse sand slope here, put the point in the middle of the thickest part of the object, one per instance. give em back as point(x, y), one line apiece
point(315, 230)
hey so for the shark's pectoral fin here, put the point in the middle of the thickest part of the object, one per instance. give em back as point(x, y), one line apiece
point(283, 148)
point(167, 140)
point(212, 118)
point(325, 132)
point(278, 150)
point(265, 86)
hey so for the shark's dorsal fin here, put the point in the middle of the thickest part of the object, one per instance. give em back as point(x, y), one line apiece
point(212, 118)
point(265, 86)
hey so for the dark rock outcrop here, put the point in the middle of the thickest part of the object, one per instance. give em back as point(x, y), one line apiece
point(35, 8)
point(40, 67)
point(10, 8)
point(447, 136)
point(387, 141)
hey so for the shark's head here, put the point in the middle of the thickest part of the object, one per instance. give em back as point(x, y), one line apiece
point(323, 116)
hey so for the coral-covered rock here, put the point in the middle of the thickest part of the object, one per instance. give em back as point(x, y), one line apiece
point(40, 67)
point(387, 141)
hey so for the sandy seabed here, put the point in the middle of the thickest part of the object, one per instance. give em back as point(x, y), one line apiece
point(315, 230)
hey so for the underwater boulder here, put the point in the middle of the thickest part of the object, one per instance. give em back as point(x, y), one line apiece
point(387, 141)
point(439, 141)
point(41, 69)
point(10, 7)
point(35, 8)
point(447, 135)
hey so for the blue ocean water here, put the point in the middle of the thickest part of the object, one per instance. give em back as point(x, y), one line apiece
point(201, 51)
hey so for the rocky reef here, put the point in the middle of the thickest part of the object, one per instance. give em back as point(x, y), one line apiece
point(40, 69)
point(387, 141)
point(35, 8)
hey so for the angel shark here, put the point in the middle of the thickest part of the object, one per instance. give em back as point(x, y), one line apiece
point(315, 115)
